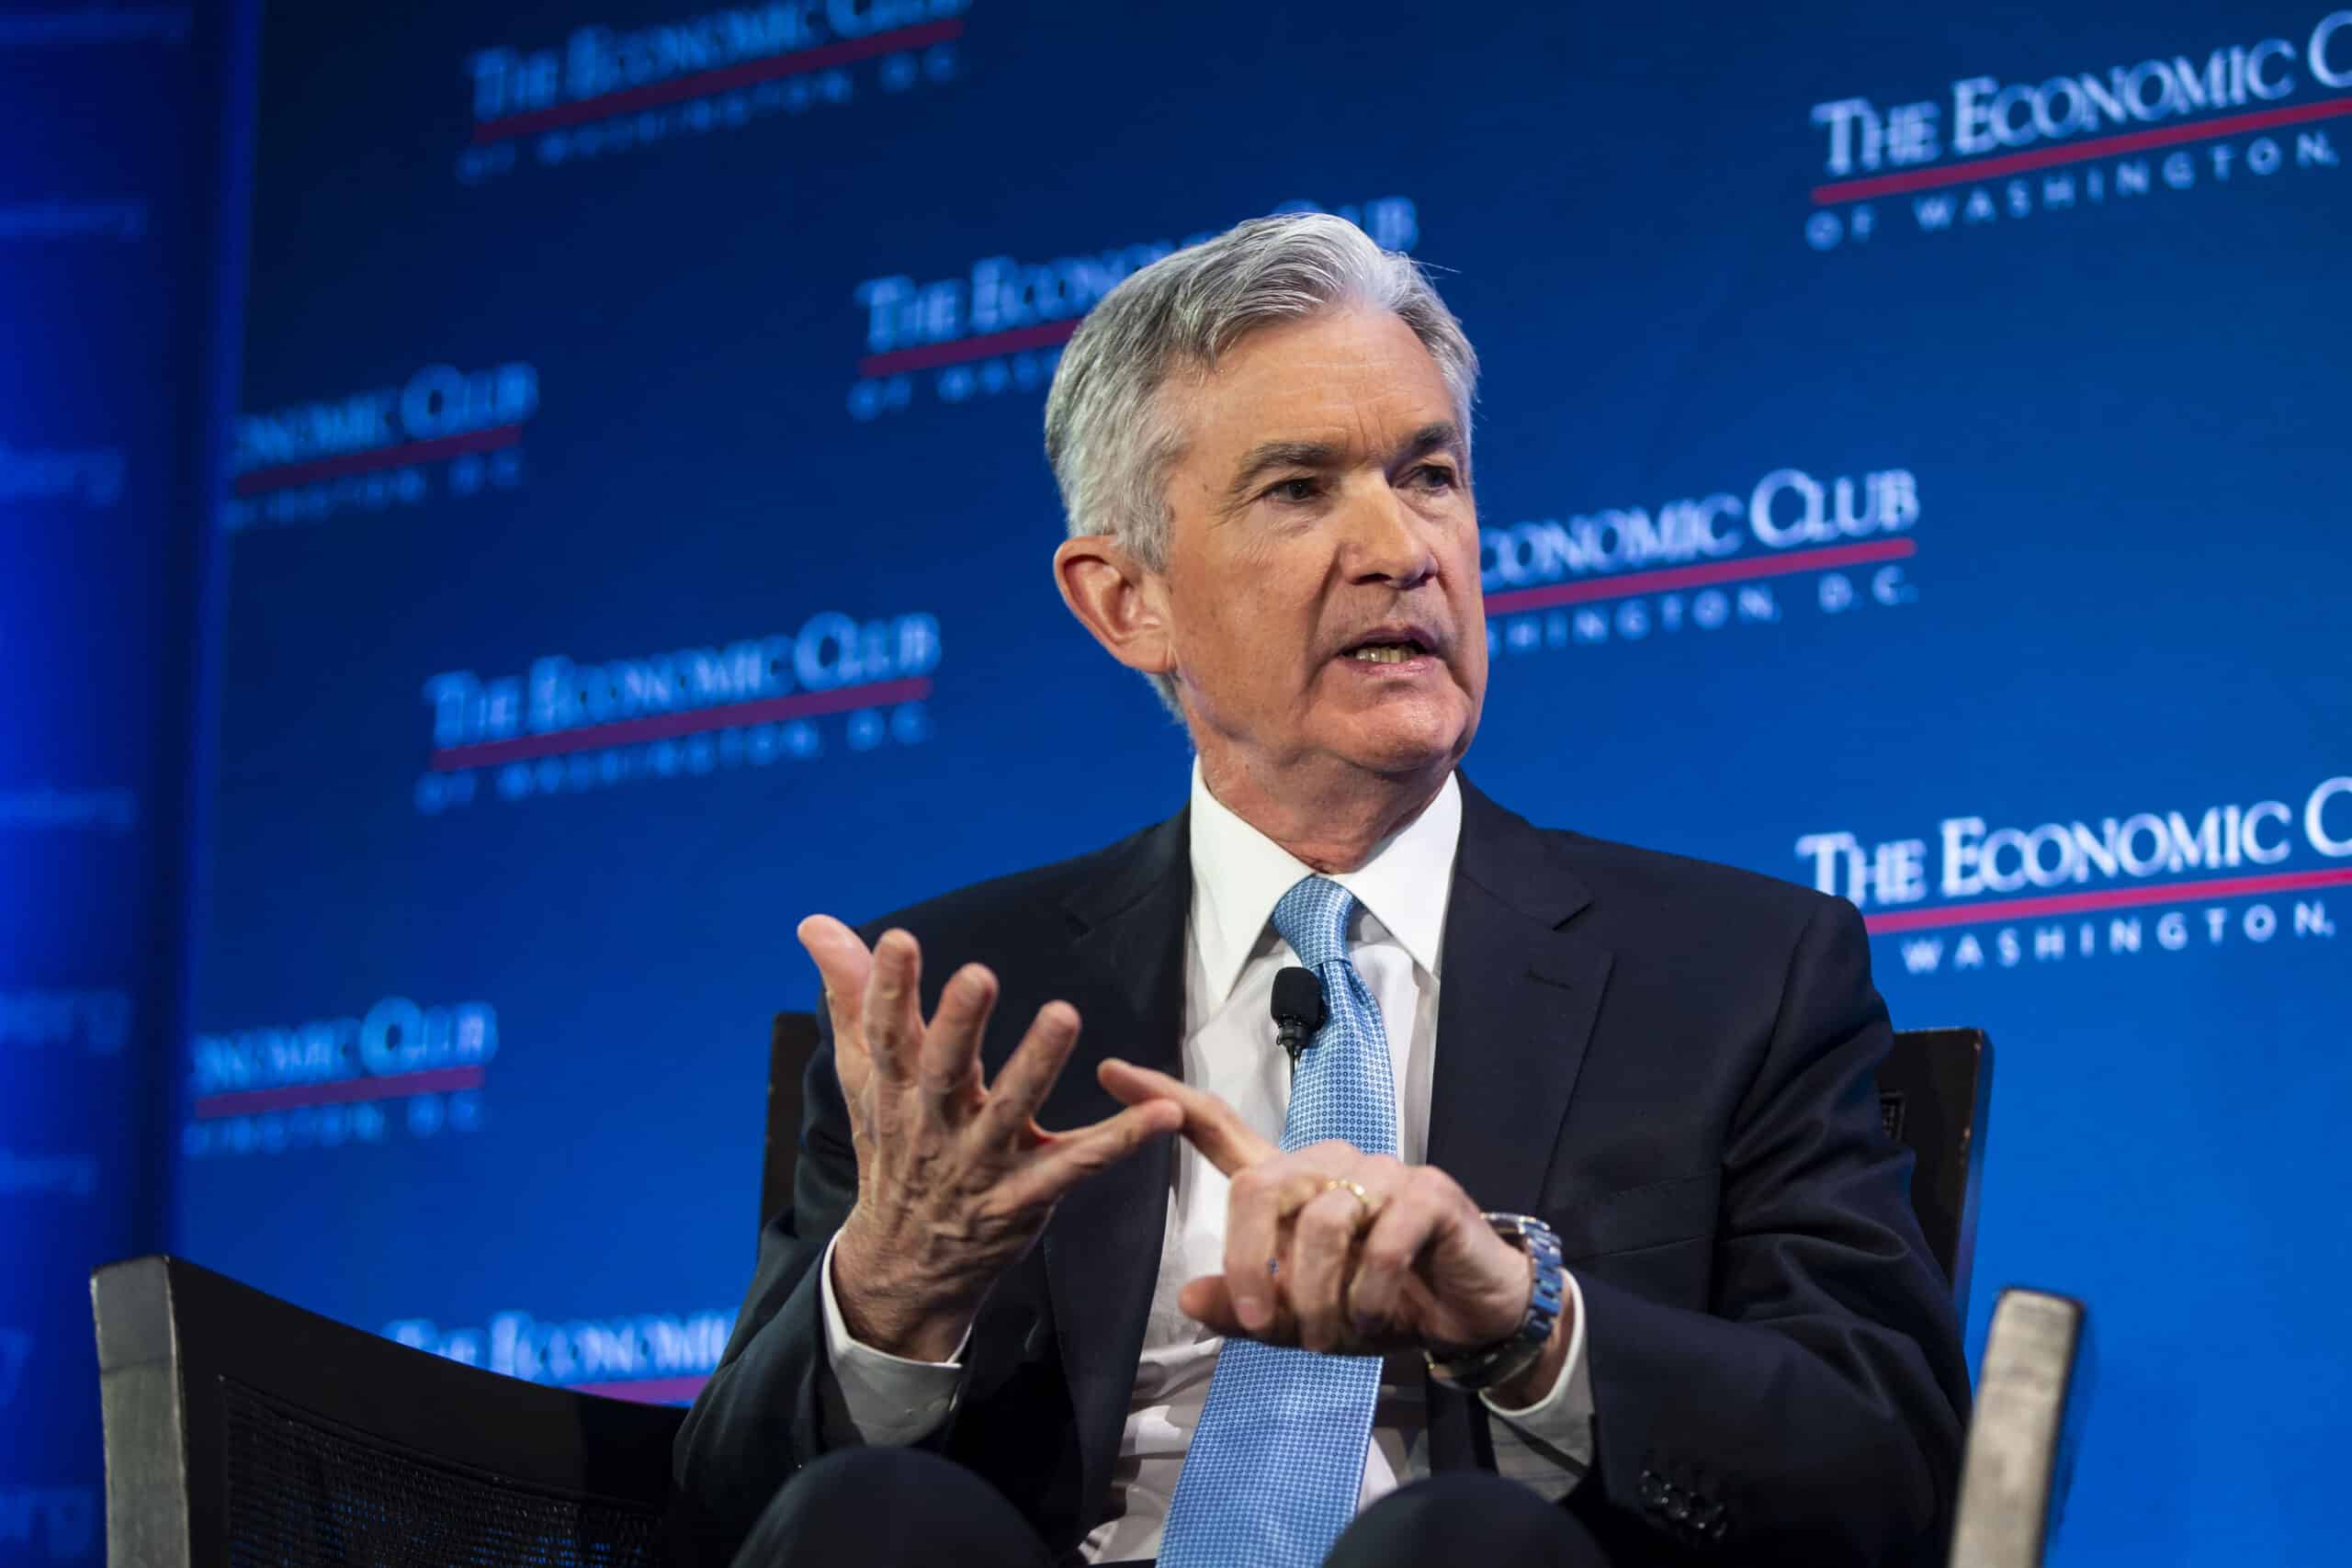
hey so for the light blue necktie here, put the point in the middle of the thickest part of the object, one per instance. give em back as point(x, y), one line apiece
point(1277, 1462)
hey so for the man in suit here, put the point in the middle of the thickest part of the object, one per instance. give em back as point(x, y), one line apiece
point(1568, 1234)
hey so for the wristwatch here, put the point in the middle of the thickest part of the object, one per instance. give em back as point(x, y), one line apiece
point(1506, 1358)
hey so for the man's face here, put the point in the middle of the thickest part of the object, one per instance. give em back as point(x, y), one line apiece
point(1322, 573)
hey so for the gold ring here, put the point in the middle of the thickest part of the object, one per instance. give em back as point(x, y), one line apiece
point(1354, 1190)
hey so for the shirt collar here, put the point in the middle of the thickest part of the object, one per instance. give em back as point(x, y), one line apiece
point(1239, 874)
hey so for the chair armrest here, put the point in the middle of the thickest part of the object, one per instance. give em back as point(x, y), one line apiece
point(230, 1416)
point(2031, 1390)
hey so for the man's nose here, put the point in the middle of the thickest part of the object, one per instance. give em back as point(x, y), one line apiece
point(1385, 542)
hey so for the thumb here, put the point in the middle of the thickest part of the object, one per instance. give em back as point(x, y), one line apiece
point(1208, 1301)
point(843, 963)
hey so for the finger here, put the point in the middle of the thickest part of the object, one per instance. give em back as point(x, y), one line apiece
point(1322, 1250)
point(893, 1016)
point(951, 1045)
point(1384, 1282)
point(843, 964)
point(1065, 1159)
point(1262, 1200)
point(1209, 1302)
point(1210, 1124)
point(1029, 1073)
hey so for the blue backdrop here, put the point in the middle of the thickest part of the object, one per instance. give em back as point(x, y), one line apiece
point(113, 214)
point(1912, 457)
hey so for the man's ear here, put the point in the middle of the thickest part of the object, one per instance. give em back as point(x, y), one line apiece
point(1113, 596)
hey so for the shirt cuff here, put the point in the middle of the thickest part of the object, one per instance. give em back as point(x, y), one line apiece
point(887, 1401)
point(1559, 1425)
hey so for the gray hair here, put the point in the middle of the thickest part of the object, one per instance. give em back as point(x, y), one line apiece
point(1108, 441)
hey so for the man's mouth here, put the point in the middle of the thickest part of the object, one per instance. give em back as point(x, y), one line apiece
point(1391, 645)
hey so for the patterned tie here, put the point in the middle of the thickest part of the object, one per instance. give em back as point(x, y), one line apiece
point(1277, 1462)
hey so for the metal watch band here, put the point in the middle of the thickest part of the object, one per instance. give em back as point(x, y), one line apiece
point(1505, 1359)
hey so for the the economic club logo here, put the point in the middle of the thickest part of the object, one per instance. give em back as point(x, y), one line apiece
point(997, 325)
point(1992, 151)
point(440, 431)
point(651, 1358)
point(602, 91)
point(1791, 543)
point(1977, 895)
point(400, 1070)
point(836, 684)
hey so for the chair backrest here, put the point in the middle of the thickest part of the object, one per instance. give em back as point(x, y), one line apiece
point(792, 1040)
point(234, 1419)
point(1934, 1092)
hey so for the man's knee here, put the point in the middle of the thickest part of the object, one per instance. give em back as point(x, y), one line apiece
point(1465, 1516)
point(882, 1508)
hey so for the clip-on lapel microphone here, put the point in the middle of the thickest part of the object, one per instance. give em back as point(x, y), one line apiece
point(1298, 1011)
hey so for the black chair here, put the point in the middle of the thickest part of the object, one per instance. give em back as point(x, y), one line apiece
point(240, 1428)
point(792, 1040)
point(1935, 1095)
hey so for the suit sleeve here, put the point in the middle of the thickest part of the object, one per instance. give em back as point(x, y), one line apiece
point(1814, 1413)
point(764, 1413)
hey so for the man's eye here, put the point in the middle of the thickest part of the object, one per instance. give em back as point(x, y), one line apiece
point(1434, 476)
point(1297, 491)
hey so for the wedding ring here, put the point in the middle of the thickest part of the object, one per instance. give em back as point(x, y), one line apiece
point(1354, 1190)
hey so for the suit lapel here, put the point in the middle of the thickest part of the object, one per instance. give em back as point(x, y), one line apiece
point(1515, 1014)
point(1516, 1009)
point(1102, 1248)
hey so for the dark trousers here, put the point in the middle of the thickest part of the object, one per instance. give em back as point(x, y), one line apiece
point(909, 1508)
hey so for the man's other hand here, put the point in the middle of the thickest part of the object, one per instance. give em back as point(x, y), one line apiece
point(955, 1177)
point(1411, 1263)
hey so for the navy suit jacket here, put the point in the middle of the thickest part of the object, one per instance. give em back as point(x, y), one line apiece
point(1671, 1062)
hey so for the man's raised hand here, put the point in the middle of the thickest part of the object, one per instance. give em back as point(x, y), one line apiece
point(955, 1177)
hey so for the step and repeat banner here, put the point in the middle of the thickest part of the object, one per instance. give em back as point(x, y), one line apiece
point(1911, 460)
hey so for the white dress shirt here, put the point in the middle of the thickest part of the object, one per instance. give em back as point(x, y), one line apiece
point(1232, 954)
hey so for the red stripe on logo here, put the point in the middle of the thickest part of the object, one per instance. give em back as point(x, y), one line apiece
point(399, 456)
point(703, 83)
point(1701, 575)
point(670, 725)
point(2105, 899)
point(344, 1092)
point(2076, 153)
